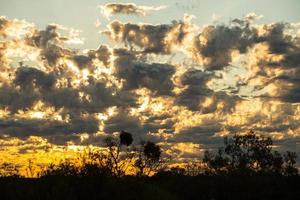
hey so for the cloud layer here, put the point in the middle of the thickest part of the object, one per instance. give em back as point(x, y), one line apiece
point(176, 84)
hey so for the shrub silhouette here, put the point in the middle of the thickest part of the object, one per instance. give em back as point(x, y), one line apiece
point(64, 168)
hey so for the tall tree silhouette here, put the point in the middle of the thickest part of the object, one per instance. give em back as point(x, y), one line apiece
point(117, 160)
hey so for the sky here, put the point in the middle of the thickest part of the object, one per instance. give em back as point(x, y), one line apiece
point(82, 14)
point(183, 74)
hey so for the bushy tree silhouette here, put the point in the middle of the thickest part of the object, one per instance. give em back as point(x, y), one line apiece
point(152, 151)
point(148, 159)
point(117, 159)
point(125, 138)
point(249, 154)
point(289, 165)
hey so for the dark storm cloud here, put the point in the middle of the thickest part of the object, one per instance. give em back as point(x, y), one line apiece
point(155, 77)
point(280, 43)
point(214, 46)
point(52, 48)
point(63, 98)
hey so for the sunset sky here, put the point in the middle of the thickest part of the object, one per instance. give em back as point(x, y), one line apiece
point(182, 73)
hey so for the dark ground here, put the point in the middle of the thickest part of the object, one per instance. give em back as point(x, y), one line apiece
point(170, 187)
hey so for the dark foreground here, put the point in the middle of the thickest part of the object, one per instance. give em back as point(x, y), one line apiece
point(170, 187)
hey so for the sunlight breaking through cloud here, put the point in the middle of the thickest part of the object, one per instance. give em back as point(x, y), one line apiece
point(229, 78)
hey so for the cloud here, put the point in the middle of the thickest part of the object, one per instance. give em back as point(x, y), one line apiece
point(27, 77)
point(158, 39)
point(16, 99)
point(45, 37)
point(198, 96)
point(122, 121)
point(137, 74)
point(51, 42)
point(4, 23)
point(25, 128)
point(14, 28)
point(195, 83)
point(103, 53)
point(214, 45)
point(127, 9)
point(182, 151)
point(275, 61)
point(172, 83)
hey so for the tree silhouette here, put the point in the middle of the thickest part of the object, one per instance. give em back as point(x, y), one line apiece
point(117, 160)
point(145, 158)
point(94, 163)
point(148, 158)
point(249, 154)
point(216, 164)
point(125, 138)
point(290, 161)
point(152, 151)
